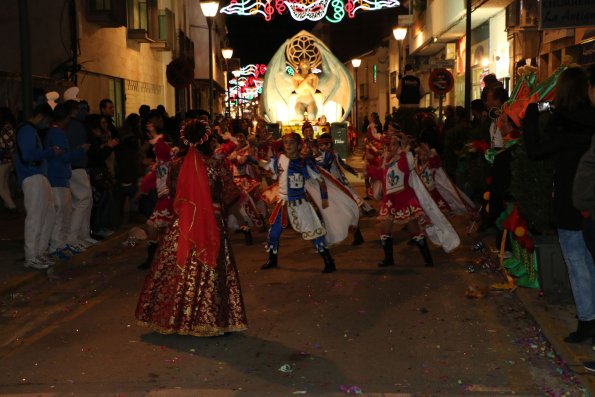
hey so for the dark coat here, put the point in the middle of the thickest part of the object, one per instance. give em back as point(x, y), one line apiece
point(566, 137)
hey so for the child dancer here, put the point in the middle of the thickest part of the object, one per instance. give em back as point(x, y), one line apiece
point(399, 202)
point(162, 214)
point(293, 172)
point(333, 163)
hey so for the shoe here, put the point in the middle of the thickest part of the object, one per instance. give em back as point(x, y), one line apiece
point(247, 235)
point(61, 254)
point(271, 263)
point(71, 249)
point(358, 238)
point(387, 247)
point(589, 366)
point(91, 241)
point(96, 237)
point(36, 264)
point(151, 249)
point(425, 252)
point(105, 232)
point(76, 248)
point(47, 259)
point(584, 331)
point(329, 263)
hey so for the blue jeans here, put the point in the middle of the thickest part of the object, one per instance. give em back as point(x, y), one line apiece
point(581, 271)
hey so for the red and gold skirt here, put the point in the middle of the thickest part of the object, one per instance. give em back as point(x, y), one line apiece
point(194, 299)
point(402, 206)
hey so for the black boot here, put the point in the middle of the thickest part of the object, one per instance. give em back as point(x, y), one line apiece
point(387, 246)
point(358, 238)
point(247, 236)
point(425, 251)
point(584, 331)
point(329, 263)
point(271, 263)
point(151, 248)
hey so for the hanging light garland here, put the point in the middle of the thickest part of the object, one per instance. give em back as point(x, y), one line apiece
point(301, 10)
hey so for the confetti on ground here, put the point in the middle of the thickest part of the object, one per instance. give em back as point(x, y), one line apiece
point(286, 368)
point(351, 389)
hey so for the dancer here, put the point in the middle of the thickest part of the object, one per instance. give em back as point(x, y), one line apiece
point(333, 163)
point(162, 214)
point(193, 287)
point(247, 176)
point(399, 203)
point(293, 172)
point(427, 162)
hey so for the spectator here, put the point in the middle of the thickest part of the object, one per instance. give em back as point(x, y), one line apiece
point(410, 90)
point(80, 184)
point(31, 174)
point(566, 137)
point(102, 180)
point(59, 173)
point(108, 110)
point(128, 165)
point(8, 143)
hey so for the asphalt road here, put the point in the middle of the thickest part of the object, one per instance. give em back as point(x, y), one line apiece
point(407, 330)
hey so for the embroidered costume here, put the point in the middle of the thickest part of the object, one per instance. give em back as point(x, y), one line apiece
point(193, 287)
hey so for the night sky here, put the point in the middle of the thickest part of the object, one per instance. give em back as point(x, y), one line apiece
point(255, 40)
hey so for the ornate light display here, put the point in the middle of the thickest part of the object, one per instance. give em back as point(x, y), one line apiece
point(304, 80)
point(311, 10)
point(247, 84)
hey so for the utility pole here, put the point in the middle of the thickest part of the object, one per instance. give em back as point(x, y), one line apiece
point(26, 78)
point(468, 61)
point(74, 41)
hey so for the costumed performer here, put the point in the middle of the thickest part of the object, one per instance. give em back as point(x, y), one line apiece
point(330, 161)
point(292, 171)
point(407, 201)
point(302, 186)
point(162, 213)
point(193, 288)
point(247, 176)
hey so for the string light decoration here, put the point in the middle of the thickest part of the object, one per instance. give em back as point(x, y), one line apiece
point(248, 83)
point(311, 10)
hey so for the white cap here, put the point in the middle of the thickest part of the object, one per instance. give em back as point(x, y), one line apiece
point(52, 96)
point(71, 94)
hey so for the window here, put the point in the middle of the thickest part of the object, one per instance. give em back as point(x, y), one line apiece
point(106, 13)
point(143, 20)
point(137, 15)
point(100, 5)
point(116, 94)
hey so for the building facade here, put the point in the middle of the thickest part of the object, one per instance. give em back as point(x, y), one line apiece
point(109, 49)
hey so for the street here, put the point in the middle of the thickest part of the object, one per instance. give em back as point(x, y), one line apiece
point(407, 330)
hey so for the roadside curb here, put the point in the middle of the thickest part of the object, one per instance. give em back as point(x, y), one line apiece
point(20, 280)
point(554, 331)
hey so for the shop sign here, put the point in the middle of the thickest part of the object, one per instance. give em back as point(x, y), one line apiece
point(442, 64)
point(556, 14)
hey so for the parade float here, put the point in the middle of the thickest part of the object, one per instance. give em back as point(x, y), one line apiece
point(306, 82)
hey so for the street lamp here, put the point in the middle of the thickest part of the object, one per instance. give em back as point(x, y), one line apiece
point(356, 62)
point(237, 74)
point(400, 32)
point(227, 54)
point(209, 9)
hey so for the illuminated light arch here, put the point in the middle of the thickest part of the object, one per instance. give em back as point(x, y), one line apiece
point(311, 10)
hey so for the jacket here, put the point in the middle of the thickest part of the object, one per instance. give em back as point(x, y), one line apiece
point(566, 137)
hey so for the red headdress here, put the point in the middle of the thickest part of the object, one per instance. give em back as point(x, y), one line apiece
point(194, 204)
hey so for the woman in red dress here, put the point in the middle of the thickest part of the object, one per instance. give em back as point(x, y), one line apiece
point(193, 287)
